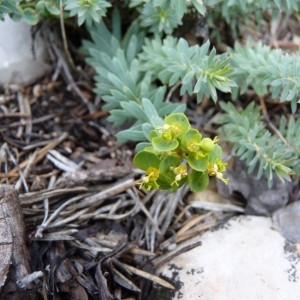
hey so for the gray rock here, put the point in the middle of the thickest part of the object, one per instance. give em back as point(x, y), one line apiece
point(245, 259)
point(287, 221)
point(23, 59)
point(261, 200)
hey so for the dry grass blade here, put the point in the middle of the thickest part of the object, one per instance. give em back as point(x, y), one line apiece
point(124, 281)
point(40, 154)
point(72, 217)
point(162, 211)
point(34, 197)
point(98, 198)
point(112, 216)
point(197, 230)
point(24, 282)
point(182, 247)
point(192, 222)
point(24, 106)
point(62, 162)
point(144, 209)
point(167, 214)
point(22, 177)
point(68, 75)
point(64, 235)
point(31, 161)
point(94, 250)
point(148, 276)
point(143, 252)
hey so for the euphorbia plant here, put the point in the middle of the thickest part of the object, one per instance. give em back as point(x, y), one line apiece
point(179, 154)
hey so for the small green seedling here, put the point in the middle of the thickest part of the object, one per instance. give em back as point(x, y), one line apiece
point(179, 155)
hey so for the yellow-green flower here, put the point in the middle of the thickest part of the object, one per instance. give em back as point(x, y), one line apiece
point(148, 182)
point(216, 169)
point(180, 172)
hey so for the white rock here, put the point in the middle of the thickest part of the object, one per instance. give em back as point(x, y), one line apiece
point(22, 60)
point(244, 260)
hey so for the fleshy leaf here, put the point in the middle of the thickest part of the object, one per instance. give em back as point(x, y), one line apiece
point(191, 139)
point(180, 121)
point(145, 160)
point(198, 164)
point(215, 155)
point(160, 144)
point(167, 165)
point(198, 181)
point(30, 16)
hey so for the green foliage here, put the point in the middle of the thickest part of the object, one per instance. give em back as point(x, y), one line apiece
point(267, 70)
point(87, 10)
point(164, 15)
point(29, 11)
point(289, 130)
point(199, 70)
point(33, 11)
point(127, 91)
point(133, 74)
point(178, 155)
point(9, 7)
point(230, 9)
point(237, 12)
point(253, 143)
point(160, 16)
point(127, 74)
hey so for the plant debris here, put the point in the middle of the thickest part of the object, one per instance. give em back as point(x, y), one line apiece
point(91, 233)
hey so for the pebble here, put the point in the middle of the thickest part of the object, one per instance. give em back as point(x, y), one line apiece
point(22, 59)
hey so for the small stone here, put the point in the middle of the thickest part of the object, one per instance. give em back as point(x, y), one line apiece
point(23, 58)
point(244, 259)
point(261, 200)
point(287, 221)
point(37, 90)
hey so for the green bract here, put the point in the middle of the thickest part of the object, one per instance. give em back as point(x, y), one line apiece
point(179, 155)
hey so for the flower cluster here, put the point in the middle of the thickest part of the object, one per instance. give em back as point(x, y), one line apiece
point(178, 155)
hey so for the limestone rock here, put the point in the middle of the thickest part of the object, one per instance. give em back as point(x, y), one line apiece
point(244, 259)
point(22, 54)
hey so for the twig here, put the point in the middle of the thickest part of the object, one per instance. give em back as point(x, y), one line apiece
point(196, 230)
point(144, 209)
point(62, 162)
point(63, 34)
point(14, 115)
point(17, 166)
point(35, 121)
point(269, 122)
point(41, 153)
point(168, 213)
point(195, 220)
point(40, 229)
point(24, 107)
point(34, 197)
point(146, 275)
point(61, 208)
point(70, 80)
point(154, 211)
point(172, 90)
point(98, 198)
point(26, 172)
point(24, 282)
point(181, 248)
